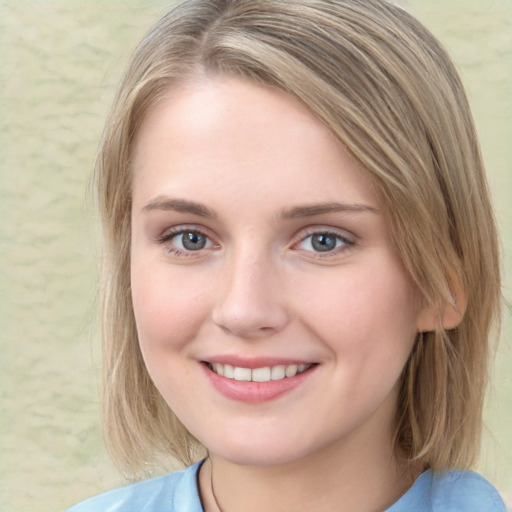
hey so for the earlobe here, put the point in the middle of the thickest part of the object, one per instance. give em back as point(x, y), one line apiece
point(447, 317)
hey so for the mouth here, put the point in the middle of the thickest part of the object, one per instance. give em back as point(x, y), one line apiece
point(263, 374)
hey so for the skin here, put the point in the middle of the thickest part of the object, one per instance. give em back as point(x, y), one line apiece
point(250, 159)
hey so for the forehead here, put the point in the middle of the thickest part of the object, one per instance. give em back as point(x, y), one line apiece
point(231, 138)
point(227, 107)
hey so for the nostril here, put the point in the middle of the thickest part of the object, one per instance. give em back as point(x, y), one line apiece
point(249, 315)
point(244, 331)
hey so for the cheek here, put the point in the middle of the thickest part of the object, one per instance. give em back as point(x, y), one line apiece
point(367, 316)
point(167, 309)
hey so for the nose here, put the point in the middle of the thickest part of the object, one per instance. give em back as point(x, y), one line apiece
point(250, 303)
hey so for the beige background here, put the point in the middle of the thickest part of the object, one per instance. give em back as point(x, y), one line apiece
point(59, 61)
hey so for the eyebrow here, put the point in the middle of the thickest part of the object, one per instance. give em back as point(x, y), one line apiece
point(297, 212)
point(179, 205)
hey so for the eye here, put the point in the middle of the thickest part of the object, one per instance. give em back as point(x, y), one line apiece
point(323, 242)
point(191, 241)
point(184, 240)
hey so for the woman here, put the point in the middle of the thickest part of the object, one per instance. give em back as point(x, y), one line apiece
point(301, 266)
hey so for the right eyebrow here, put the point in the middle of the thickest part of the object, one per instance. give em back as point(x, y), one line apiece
point(311, 210)
point(179, 205)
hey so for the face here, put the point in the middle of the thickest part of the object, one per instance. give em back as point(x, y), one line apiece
point(273, 313)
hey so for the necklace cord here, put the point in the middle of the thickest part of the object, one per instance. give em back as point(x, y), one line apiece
point(216, 501)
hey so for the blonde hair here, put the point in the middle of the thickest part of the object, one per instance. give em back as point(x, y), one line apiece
point(388, 90)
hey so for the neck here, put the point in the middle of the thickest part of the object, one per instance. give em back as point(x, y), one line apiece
point(359, 477)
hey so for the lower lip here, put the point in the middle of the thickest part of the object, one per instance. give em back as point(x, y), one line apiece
point(255, 392)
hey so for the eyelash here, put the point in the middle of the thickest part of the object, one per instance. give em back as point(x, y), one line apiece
point(347, 243)
point(166, 238)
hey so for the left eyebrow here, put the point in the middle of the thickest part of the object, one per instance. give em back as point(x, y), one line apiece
point(179, 205)
point(310, 210)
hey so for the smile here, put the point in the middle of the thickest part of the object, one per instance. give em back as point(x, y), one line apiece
point(264, 374)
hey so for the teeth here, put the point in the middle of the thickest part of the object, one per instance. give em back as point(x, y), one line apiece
point(261, 374)
point(278, 372)
point(264, 374)
point(291, 370)
point(242, 374)
point(229, 371)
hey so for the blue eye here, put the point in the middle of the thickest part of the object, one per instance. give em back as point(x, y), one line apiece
point(189, 240)
point(323, 242)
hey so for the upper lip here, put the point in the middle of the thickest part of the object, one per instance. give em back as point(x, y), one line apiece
point(255, 362)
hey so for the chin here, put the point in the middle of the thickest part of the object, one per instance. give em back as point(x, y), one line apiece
point(263, 453)
point(252, 458)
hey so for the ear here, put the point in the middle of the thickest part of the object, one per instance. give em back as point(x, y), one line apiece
point(451, 313)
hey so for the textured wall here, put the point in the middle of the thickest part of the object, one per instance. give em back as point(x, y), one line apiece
point(59, 61)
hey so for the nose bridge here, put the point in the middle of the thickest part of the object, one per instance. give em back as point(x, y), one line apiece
point(249, 303)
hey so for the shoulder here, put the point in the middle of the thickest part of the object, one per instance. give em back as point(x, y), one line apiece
point(169, 493)
point(450, 491)
point(465, 491)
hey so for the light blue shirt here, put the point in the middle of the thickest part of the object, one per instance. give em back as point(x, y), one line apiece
point(453, 491)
